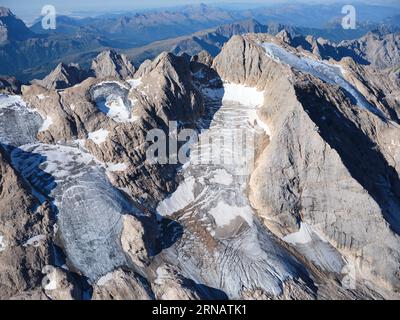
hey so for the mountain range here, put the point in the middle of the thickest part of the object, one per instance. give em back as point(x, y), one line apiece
point(247, 161)
point(145, 35)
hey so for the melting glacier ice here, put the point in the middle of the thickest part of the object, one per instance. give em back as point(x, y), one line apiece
point(18, 124)
point(213, 198)
point(112, 99)
point(89, 208)
point(329, 73)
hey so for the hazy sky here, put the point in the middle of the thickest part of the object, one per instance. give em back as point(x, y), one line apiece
point(29, 9)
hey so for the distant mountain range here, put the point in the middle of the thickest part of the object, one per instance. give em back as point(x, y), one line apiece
point(29, 53)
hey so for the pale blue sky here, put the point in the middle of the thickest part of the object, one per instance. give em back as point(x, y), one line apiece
point(29, 9)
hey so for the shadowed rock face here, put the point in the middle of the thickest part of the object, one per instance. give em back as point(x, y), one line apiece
point(10, 85)
point(12, 28)
point(21, 263)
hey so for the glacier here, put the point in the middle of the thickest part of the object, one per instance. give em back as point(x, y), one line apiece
point(87, 206)
point(213, 197)
point(327, 72)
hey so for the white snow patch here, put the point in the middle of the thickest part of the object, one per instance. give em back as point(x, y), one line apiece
point(224, 214)
point(330, 73)
point(3, 244)
point(7, 100)
point(112, 82)
point(179, 199)
point(60, 162)
point(134, 83)
point(222, 177)
point(99, 136)
point(244, 95)
point(35, 241)
point(46, 124)
point(303, 236)
point(116, 167)
point(162, 275)
point(103, 280)
point(51, 283)
point(118, 111)
point(80, 143)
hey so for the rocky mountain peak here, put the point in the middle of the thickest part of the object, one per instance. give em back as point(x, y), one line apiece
point(241, 27)
point(285, 36)
point(5, 12)
point(12, 28)
point(63, 76)
point(111, 64)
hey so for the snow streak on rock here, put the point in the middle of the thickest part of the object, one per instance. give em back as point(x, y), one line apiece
point(327, 72)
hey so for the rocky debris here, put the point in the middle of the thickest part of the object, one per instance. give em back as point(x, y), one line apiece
point(10, 85)
point(63, 76)
point(109, 64)
point(122, 285)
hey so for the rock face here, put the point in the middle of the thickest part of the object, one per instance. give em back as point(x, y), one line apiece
point(379, 50)
point(63, 76)
point(133, 242)
point(382, 51)
point(213, 41)
point(10, 85)
point(109, 64)
point(12, 28)
point(24, 235)
point(318, 169)
point(122, 285)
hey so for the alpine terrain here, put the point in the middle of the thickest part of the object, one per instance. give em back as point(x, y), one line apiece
point(266, 167)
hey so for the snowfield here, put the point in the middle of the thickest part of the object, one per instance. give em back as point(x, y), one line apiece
point(99, 136)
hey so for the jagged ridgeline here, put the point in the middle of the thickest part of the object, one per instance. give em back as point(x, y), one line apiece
point(290, 187)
